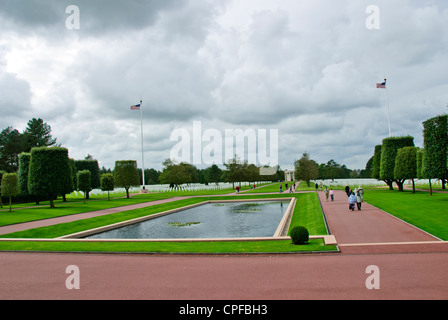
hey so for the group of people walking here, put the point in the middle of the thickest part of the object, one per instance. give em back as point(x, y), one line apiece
point(329, 193)
point(354, 197)
point(292, 187)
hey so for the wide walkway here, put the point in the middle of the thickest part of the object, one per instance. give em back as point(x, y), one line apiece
point(372, 230)
point(366, 238)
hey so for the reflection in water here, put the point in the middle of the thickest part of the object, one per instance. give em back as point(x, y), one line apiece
point(217, 220)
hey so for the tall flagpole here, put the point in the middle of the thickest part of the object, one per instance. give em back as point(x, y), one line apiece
point(388, 111)
point(143, 156)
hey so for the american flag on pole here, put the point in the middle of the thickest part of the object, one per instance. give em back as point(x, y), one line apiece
point(381, 85)
point(135, 107)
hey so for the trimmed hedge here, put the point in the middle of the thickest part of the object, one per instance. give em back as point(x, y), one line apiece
point(389, 151)
point(299, 235)
point(50, 172)
point(435, 135)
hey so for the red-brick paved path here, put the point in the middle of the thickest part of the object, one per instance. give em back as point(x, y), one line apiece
point(372, 230)
point(412, 265)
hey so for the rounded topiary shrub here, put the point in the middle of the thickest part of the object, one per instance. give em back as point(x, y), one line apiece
point(299, 235)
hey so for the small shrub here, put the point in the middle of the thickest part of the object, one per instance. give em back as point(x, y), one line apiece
point(299, 235)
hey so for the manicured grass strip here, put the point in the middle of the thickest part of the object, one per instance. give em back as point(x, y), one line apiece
point(429, 213)
point(304, 187)
point(308, 214)
point(170, 247)
point(73, 207)
point(274, 187)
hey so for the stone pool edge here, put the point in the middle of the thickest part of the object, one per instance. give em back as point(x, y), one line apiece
point(89, 232)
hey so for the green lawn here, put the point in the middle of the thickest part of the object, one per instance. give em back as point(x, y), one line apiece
point(96, 202)
point(429, 213)
point(31, 212)
point(308, 213)
point(272, 246)
point(273, 187)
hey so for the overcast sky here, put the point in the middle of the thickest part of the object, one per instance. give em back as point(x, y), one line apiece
point(307, 68)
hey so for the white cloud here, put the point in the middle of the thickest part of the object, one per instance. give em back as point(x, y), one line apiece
point(306, 68)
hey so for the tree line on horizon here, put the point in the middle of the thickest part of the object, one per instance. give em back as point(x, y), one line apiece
point(307, 169)
point(13, 142)
point(235, 171)
point(43, 171)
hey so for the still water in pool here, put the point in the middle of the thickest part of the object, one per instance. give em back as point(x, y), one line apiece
point(212, 220)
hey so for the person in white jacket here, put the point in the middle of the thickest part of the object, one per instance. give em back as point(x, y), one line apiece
point(351, 201)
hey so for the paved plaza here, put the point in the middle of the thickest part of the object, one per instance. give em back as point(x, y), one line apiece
point(411, 263)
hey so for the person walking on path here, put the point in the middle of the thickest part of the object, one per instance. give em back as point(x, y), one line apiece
point(358, 199)
point(326, 193)
point(347, 190)
point(281, 191)
point(332, 194)
point(351, 201)
point(317, 186)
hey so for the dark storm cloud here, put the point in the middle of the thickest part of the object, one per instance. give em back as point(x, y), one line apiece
point(97, 17)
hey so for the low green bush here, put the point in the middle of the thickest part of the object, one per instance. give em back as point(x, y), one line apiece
point(299, 235)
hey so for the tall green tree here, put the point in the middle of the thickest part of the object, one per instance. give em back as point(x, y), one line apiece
point(107, 183)
point(376, 162)
point(389, 151)
point(2, 172)
point(94, 168)
point(10, 186)
point(70, 187)
point(38, 134)
point(435, 142)
point(367, 172)
point(152, 176)
point(83, 178)
point(11, 145)
point(251, 173)
point(422, 168)
point(177, 174)
point(24, 165)
point(126, 174)
point(306, 169)
point(234, 170)
point(49, 173)
point(420, 174)
point(406, 165)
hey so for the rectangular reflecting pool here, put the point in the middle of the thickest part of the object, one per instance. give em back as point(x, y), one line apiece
point(211, 220)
